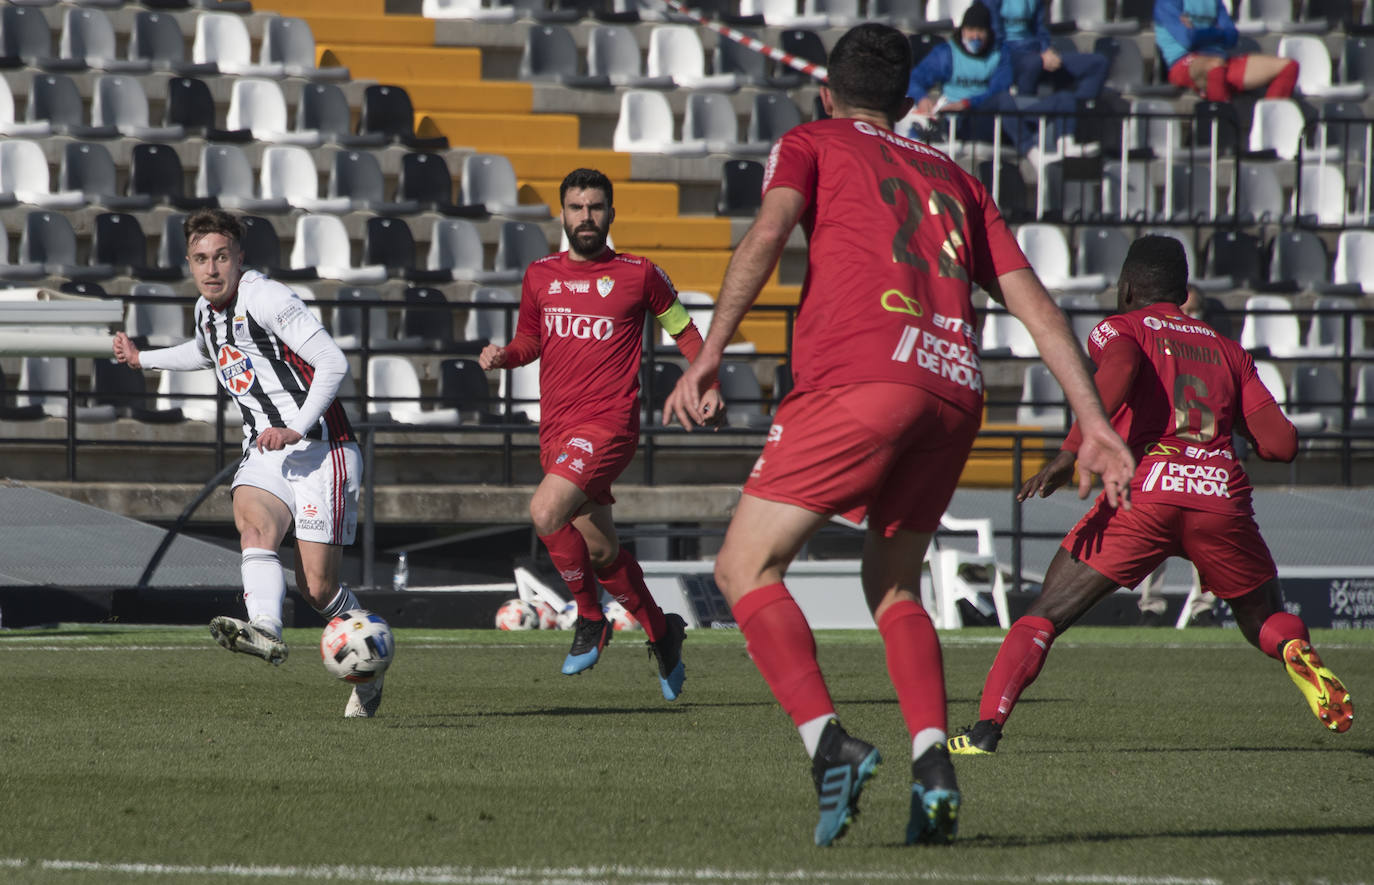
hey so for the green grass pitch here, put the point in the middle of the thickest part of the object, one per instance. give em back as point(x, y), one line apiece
point(150, 755)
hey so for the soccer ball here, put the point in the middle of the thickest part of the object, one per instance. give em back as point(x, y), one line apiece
point(357, 646)
point(620, 618)
point(567, 618)
point(547, 617)
point(516, 614)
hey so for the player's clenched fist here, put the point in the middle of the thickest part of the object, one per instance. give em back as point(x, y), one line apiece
point(125, 351)
point(493, 356)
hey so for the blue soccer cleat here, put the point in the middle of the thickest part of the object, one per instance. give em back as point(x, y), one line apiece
point(668, 652)
point(589, 638)
point(934, 799)
point(841, 767)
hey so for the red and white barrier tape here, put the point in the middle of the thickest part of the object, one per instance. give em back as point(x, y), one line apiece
point(787, 58)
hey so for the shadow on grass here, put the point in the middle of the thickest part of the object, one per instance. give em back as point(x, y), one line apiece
point(986, 841)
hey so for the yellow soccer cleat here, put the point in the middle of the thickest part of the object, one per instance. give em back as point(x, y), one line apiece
point(1325, 694)
point(980, 740)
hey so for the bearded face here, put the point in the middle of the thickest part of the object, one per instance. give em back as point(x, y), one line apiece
point(587, 218)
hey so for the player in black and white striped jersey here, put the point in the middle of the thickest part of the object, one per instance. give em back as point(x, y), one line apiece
point(301, 463)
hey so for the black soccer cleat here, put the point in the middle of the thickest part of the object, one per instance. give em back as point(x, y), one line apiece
point(934, 799)
point(589, 638)
point(840, 768)
point(980, 740)
point(667, 650)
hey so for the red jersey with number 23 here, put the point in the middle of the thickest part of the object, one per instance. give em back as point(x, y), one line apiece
point(588, 317)
point(1190, 386)
point(897, 234)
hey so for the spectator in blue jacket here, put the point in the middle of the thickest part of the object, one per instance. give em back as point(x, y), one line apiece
point(974, 74)
point(1019, 27)
point(1196, 39)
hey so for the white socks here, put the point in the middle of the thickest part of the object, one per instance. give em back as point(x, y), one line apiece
point(343, 601)
point(811, 732)
point(264, 587)
point(925, 739)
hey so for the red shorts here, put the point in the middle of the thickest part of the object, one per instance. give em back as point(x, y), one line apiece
point(1180, 76)
point(889, 452)
point(1127, 545)
point(589, 456)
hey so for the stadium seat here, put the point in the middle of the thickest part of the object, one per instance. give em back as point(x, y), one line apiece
point(156, 38)
point(1042, 400)
point(646, 126)
point(1193, 198)
point(426, 320)
point(288, 173)
point(289, 42)
point(190, 105)
point(1138, 197)
point(87, 167)
point(160, 323)
point(117, 239)
point(740, 388)
point(710, 119)
point(1314, 67)
point(741, 188)
point(259, 106)
point(1088, 15)
point(675, 51)
point(54, 99)
point(1257, 17)
point(463, 387)
point(804, 44)
point(488, 180)
point(322, 243)
point(519, 244)
point(121, 102)
point(1277, 126)
point(1326, 333)
point(124, 390)
point(171, 247)
point(550, 56)
point(323, 109)
point(155, 170)
point(1362, 413)
point(1005, 335)
point(487, 323)
point(347, 322)
point(1317, 390)
point(771, 115)
point(1346, 132)
point(389, 242)
point(222, 38)
point(524, 392)
point(425, 179)
point(837, 13)
point(781, 14)
point(24, 177)
point(748, 67)
point(1298, 261)
point(1320, 197)
point(469, 10)
point(613, 52)
point(394, 389)
point(1357, 59)
point(1102, 250)
point(88, 36)
point(387, 110)
point(1259, 196)
point(1354, 264)
point(43, 382)
point(1222, 122)
point(10, 126)
point(226, 176)
point(1048, 253)
point(196, 394)
point(357, 177)
point(1271, 328)
point(1084, 313)
point(1235, 260)
point(24, 34)
point(456, 246)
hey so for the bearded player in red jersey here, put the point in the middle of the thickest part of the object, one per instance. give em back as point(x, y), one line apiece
point(887, 401)
point(582, 316)
point(1175, 389)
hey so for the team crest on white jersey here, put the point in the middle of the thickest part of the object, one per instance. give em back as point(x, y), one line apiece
point(240, 326)
point(236, 369)
point(605, 285)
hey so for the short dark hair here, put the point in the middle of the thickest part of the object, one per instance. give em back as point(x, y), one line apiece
point(587, 178)
point(212, 221)
point(1156, 268)
point(870, 68)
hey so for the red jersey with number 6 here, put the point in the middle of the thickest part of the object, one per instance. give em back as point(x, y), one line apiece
point(897, 233)
point(1190, 386)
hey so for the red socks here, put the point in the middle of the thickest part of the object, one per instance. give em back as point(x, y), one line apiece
point(624, 580)
point(915, 665)
point(1277, 630)
point(569, 553)
point(1282, 85)
point(780, 642)
point(1017, 664)
point(1218, 85)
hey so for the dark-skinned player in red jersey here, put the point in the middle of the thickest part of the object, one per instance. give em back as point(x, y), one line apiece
point(1175, 389)
point(582, 316)
point(888, 398)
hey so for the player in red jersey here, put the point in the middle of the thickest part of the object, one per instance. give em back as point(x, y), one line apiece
point(887, 400)
point(582, 316)
point(1175, 389)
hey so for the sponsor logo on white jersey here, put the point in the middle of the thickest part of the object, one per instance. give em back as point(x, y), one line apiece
point(236, 369)
point(572, 325)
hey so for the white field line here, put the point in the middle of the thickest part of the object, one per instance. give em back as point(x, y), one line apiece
point(467, 875)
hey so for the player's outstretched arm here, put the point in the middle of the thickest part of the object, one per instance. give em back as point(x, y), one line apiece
point(1103, 452)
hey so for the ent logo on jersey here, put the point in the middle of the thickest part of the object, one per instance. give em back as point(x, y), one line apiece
point(236, 369)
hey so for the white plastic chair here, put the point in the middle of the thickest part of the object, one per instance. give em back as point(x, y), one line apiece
point(1003, 331)
point(490, 324)
point(11, 127)
point(489, 179)
point(288, 173)
point(322, 243)
point(394, 389)
point(1048, 252)
point(259, 106)
point(782, 14)
point(1322, 195)
point(1314, 67)
point(88, 34)
point(24, 173)
point(456, 246)
point(162, 323)
point(676, 51)
point(646, 126)
point(222, 39)
point(710, 118)
point(1278, 124)
point(1355, 259)
point(193, 392)
point(471, 10)
point(950, 586)
point(1279, 332)
point(1042, 399)
point(524, 385)
point(226, 175)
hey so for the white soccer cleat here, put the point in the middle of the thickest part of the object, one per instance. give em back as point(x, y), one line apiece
point(248, 638)
point(365, 699)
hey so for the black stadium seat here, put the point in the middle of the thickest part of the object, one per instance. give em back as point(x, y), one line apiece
point(387, 109)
